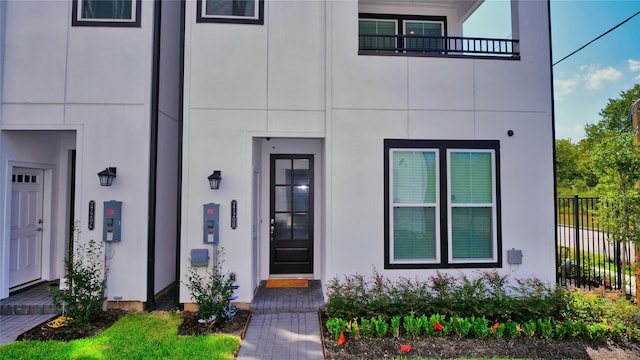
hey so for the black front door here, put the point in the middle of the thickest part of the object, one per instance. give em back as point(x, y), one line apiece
point(291, 214)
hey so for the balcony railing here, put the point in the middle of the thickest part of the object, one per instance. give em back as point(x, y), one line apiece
point(450, 46)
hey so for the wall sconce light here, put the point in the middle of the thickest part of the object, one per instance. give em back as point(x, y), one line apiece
point(214, 179)
point(106, 176)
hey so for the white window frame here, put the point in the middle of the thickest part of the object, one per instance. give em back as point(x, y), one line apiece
point(257, 18)
point(435, 205)
point(78, 20)
point(493, 205)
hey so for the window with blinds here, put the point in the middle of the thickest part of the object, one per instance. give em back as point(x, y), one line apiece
point(442, 207)
point(471, 205)
point(415, 206)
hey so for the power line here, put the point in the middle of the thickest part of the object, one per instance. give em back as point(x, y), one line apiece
point(589, 43)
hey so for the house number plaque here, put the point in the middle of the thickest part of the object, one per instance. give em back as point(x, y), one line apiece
point(234, 214)
point(92, 215)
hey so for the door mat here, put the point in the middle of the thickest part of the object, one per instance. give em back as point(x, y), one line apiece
point(287, 283)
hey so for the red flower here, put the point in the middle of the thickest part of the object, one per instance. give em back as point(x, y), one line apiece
point(405, 348)
point(341, 339)
point(438, 327)
point(495, 326)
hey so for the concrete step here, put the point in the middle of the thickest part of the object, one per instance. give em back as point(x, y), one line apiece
point(288, 300)
point(33, 301)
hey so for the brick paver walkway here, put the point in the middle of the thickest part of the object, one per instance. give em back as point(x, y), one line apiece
point(284, 325)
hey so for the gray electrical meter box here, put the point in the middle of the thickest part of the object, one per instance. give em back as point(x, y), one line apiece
point(199, 257)
point(112, 221)
point(514, 256)
point(211, 217)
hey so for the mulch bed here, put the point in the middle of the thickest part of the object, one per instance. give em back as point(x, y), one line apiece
point(362, 348)
point(189, 326)
point(450, 348)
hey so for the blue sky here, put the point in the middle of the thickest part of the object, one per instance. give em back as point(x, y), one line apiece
point(584, 82)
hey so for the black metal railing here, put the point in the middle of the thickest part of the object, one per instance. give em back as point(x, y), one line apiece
point(438, 45)
point(585, 255)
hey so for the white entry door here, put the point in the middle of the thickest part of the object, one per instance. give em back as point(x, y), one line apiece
point(25, 260)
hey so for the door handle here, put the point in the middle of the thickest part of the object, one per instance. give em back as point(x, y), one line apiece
point(39, 229)
point(272, 228)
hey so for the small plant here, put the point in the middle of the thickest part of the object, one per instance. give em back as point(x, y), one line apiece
point(367, 327)
point(412, 326)
point(395, 326)
point(480, 327)
point(529, 328)
point(545, 329)
point(84, 297)
point(212, 292)
point(512, 329)
point(460, 326)
point(437, 325)
point(380, 326)
point(597, 331)
point(497, 330)
point(335, 326)
point(353, 328)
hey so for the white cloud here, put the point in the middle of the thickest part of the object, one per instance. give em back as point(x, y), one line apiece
point(562, 88)
point(574, 133)
point(595, 78)
point(634, 65)
point(637, 78)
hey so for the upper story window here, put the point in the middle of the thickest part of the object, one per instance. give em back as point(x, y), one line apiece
point(401, 33)
point(124, 13)
point(418, 35)
point(230, 11)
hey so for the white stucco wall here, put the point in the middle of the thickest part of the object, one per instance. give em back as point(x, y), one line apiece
point(247, 83)
point(244, 82)
point(94, 83)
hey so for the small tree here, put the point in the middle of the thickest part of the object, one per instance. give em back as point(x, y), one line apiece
point(617, 162)
point(82, 300)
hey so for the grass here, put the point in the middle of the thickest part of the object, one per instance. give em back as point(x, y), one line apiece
point(134, 336)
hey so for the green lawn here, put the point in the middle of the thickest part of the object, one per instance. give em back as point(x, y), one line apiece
point(134, 336)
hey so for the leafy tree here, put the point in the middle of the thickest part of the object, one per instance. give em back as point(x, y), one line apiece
point(614, 115)
point(618, 168)
point(573, 169)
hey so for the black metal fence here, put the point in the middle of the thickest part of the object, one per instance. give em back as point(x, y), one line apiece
point(585, 256)
point(438, 45)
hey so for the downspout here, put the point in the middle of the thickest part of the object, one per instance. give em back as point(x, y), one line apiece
point(153, 155)
point(553, 138)
point(180, 135)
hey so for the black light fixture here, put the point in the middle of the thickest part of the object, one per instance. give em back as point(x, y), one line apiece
point(214, 179)
point(106, 176)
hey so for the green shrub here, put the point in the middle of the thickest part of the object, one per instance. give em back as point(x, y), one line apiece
point(335, 326)
point(512, 329)
point(367, 328)
point(466, 306)
point(480, 327)
point(395, 326)
point(83, 298)
point(460, 327)
point(380, 326)
point(213, 291)
point(412, 325)
point(529, 328)
point(545, 328)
